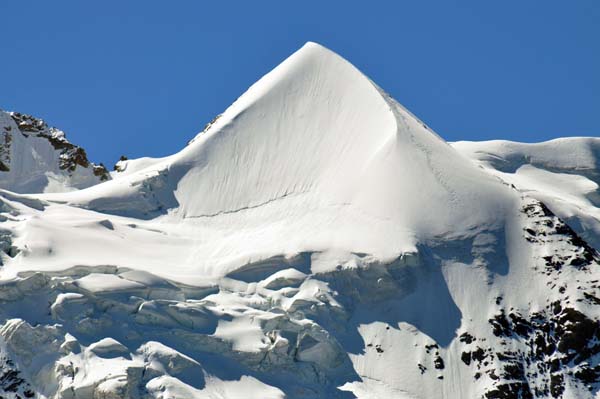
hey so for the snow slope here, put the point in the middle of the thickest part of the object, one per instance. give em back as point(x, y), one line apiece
point(316, 240)
point(36, 158)
point(563, 173)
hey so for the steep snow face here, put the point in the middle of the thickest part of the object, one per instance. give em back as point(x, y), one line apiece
point(313, 124)
point(36, 158)
point(314, 152)
point(562, 173)
point(316, 130)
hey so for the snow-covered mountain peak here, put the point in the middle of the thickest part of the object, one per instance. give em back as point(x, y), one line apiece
point(312, 146)
point(311, 122)
point(315, 134)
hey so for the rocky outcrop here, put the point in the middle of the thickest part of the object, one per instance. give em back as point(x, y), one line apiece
point(35, 157)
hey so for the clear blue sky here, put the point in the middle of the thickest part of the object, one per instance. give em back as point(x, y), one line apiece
point(142, 77)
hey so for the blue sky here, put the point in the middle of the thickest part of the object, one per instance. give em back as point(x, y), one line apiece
point(142, 77)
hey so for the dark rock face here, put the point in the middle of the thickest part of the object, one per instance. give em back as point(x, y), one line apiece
point(118, 167)
point(439, 363)
point(512, 390)
point(5, 144)
point(12, 384)
point(559, 341)
point(547, 228)
point(539, 353)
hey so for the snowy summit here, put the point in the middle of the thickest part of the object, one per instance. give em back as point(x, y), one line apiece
point(316, 240)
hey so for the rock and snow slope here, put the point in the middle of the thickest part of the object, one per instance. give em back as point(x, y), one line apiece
point(36, 158)
point(563, 173)
point(316, 240)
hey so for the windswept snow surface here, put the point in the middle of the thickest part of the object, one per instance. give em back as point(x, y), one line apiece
point(316, 240)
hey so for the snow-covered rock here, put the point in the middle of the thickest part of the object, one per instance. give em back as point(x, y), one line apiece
point(37, 158)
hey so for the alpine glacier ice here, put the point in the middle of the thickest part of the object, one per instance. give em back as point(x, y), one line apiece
point(317, 240)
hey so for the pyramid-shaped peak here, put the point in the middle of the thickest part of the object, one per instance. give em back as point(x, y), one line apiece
point(312, 71)
point(311, 44)
point(316, 49)
point(312, 149)
point(313, 55)
point(317, 129)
